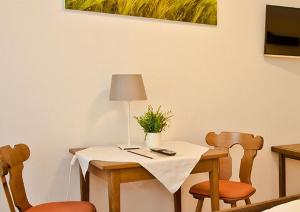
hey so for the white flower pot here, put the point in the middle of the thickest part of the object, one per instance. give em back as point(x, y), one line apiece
point(153, 140)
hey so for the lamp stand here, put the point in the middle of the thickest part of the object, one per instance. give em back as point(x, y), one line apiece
point(128, 124)
point(128, 146)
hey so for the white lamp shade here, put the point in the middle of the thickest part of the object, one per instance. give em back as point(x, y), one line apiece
point(127, 87)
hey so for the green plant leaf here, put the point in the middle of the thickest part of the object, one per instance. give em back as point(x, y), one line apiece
point(154, 121)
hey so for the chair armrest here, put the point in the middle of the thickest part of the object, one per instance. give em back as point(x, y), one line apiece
point(263, 205)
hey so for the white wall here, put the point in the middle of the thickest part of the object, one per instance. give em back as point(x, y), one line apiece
point(55, 74)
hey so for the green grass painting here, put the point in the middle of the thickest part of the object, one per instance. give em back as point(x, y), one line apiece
point(195, 11)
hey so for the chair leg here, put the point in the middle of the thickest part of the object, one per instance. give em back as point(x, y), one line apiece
point(199, 205)
point(247, 201)
point(233, 204)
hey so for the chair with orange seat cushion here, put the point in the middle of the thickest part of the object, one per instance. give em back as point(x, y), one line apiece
point(231, 191)
point(11, 162)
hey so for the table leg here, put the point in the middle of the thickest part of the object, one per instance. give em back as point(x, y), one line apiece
point(214, 185)
point(84, 186)
point(177, 200)
point(114, 191)
point(282, 177)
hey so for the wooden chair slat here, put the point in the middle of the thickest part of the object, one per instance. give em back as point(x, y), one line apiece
point(14, 158)
point(3, 173)
point(246, 166)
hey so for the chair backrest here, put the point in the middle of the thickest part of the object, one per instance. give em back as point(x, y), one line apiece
point(226, 140)
point(11, 162)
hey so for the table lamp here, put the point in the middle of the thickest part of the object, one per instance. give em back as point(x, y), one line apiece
point(127, 87)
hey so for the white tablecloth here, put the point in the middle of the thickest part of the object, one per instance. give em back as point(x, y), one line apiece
point(171, 171)
point(293, 206)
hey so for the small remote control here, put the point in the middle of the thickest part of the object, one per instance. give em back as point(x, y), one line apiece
point(163, 151)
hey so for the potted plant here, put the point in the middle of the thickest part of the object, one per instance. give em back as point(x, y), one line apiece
point(153, 123)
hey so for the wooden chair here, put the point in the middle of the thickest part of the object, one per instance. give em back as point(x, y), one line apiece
point(231, 191)
point(11, 162)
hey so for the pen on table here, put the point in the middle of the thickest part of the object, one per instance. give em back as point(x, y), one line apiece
point(146, 156)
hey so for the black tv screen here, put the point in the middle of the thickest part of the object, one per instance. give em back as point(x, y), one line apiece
point(282, 36)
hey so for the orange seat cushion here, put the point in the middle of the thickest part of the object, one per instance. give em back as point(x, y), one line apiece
point(63, 207)
point(230, 190)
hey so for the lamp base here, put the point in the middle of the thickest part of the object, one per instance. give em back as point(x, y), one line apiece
point(128, 147)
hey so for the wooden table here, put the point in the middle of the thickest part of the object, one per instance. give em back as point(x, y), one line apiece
point(116, 173)
point(285, 151)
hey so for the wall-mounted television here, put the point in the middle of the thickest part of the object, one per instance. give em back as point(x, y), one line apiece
point(282, 34)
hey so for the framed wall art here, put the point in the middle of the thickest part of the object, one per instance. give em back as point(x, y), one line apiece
point(194, 11)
